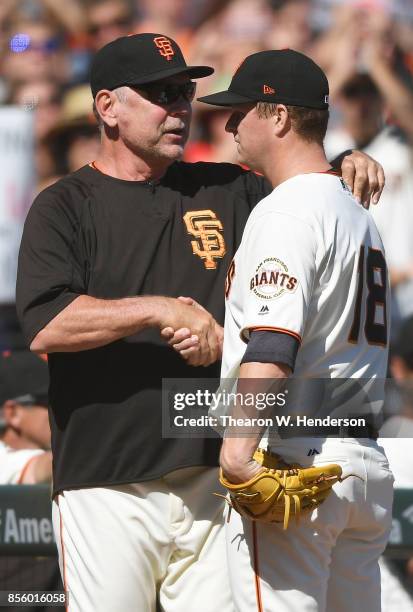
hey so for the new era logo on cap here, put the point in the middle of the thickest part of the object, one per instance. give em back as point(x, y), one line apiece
point(268, 90)
point(165, 47)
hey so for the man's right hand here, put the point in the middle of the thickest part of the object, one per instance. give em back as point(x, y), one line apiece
point(191, 330)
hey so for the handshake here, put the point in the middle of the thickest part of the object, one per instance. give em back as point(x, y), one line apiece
point(191, 331)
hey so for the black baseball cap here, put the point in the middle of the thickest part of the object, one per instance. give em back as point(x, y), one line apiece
point(23, 376)
point(139, 59)
point(282, 76)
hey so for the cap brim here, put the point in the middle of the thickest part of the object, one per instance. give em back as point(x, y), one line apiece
point(224, 98)
point(194, 72)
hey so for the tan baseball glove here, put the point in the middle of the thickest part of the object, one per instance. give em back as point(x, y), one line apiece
point(281, 490)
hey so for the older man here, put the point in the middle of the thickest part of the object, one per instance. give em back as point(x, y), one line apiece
point(134, 512)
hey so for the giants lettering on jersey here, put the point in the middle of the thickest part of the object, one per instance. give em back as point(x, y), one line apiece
point(272, 279)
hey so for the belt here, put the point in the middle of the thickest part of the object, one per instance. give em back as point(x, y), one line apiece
point(350, 431)
point(340, 431)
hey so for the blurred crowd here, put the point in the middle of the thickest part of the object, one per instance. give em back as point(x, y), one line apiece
point(365, 47)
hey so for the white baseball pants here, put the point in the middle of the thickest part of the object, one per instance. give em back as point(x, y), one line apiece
point(329, 561)
point(118, 546)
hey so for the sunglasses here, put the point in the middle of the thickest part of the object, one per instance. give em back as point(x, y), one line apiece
point(164, 94)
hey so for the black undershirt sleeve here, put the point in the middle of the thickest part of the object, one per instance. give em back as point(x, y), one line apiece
point(271, 347)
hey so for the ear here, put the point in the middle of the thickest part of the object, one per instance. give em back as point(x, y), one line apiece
point(282, 122)
point(12, 413)
point(104, 103)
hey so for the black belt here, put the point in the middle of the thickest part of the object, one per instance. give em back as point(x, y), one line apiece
point(349, 431)
point(340, 431)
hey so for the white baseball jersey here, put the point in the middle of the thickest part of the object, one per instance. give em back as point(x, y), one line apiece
point(13, 463)
point(396, 227)
point(311, 265)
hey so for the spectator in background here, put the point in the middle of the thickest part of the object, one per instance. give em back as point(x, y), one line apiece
point(362, 108)
point(245, 21)
point(109, 19)
point(211, 142)
point(25, 456)
point(161, 16)
point(291, 25)
point(25, 459)
point(368, 39)
point(392, 73)
point(67, 16)
point(42, 98)
point(74, 140)
point(228, 36)
point(66, 134)
point(34, 52)
point(68, 43)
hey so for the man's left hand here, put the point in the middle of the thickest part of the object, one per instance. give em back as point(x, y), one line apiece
point(363, 175)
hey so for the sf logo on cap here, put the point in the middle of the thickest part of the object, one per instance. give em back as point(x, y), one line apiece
point(165, 47)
